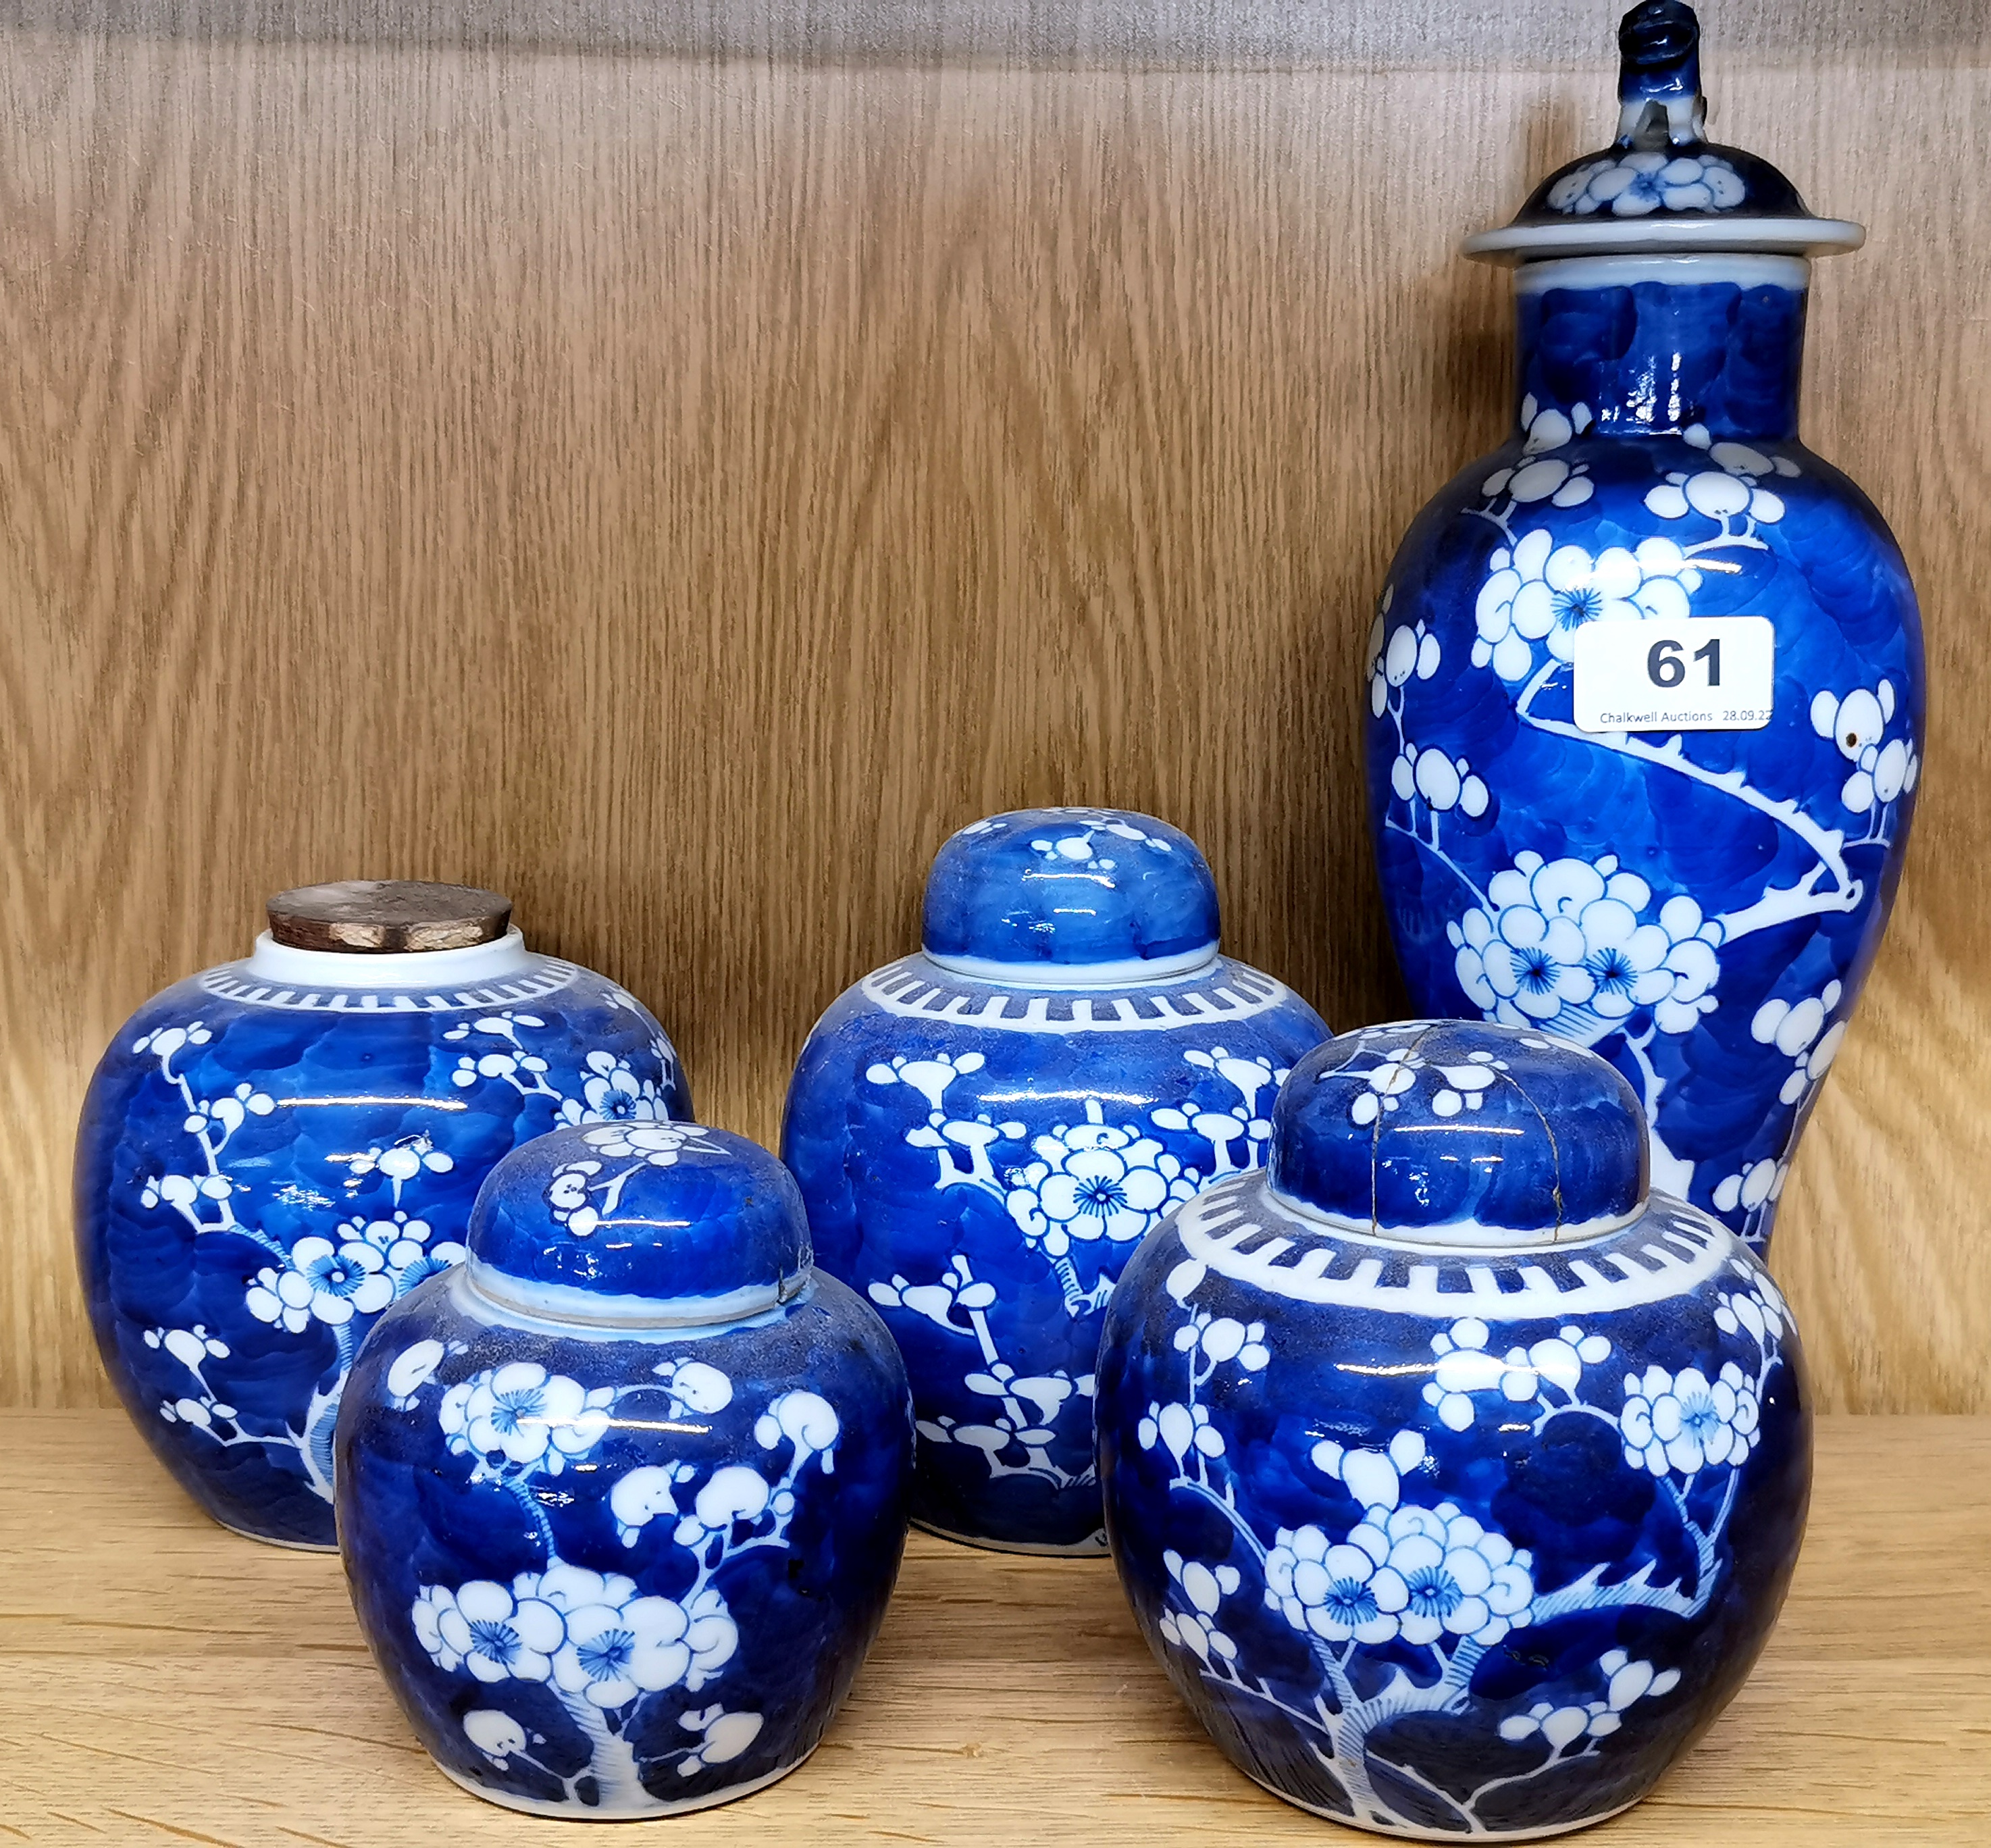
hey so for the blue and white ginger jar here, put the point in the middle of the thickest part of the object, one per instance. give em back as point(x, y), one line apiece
point(1456, 1479)
point(984, 1131)
point(622, 1499)
point(1700, 906)
point(273, 1151)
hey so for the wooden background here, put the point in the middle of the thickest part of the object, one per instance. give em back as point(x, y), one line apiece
point(676, 482)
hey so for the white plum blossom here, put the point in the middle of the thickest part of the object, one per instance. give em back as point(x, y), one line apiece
point(1421, 1573)
point(322, 1282)
point(1731, 490)
point(1799, 1032)
point(696, 1385)
point(1465, 1366)
point(1540, 476)
point(613, 1093)
point(1567, 944)
point(412, 1369)
point(1881, 771)
point(495, 1634)
point(1760, 1308)
point(1091, 1181)
point(1633, 185)
point(401, 1162)
point(1409, 650)
point(1077, 850)
point(1223, 1337)
point(722, 1737)
point(730, 1495)
point(612, 1652)
point(534, 1419)
point(1443, 782)
point(1180, 1428)
point(659, 1144)
point(642, 1496)
point(1203, 1589)
point(495, 1735)
point(807, 1421)
point(1540, 591)
point(1685, 1421)
point(1562, 1726)
point(1755, 1184)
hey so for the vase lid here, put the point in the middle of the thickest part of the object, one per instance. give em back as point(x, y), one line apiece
point(1459, 1133)
point(651, 1224)
point(1662, 189)
point(1090, 895)
point(387, 917)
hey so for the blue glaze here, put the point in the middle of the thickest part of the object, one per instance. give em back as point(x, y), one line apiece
point(1652, 357)
point(1443, 1541)
point(263, 1165)
point(1059, 887)
point(620, 1566)
point(980, 1159)
point(1701, 906)
point(1531, 1140)
point(557, 1216)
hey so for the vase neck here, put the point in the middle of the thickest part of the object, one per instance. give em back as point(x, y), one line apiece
point(1654, 346)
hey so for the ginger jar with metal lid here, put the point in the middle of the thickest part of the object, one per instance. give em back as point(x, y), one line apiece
point(984, 1130)
point(272, 1151)
point(1456, 1477)
point(621, 1500)
point(1645, 686)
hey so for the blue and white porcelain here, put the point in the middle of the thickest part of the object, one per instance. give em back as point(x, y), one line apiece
point(984, 1132)
point(273, 1151)
point(1456, 1479)
point(1699, 905)
point(622, 1499)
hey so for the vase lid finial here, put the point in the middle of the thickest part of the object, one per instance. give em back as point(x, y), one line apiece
point(1662, 188)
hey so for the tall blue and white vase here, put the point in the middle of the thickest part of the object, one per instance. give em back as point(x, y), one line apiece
point(984, 1131)
point(1644, 689)
point(272, 1151)
point(1456, 1477)
point(621, 1500)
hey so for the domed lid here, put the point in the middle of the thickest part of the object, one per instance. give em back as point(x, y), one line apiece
point(1093, 895)
point(1662, 188)
point(1456, 1132)
point(659, 1224)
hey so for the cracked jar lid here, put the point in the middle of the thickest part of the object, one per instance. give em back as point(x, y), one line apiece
point(1460, 1133)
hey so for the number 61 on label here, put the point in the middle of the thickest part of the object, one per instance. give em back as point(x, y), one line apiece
point(1707, 673)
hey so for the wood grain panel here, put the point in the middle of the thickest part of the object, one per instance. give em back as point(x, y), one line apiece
point(162, 1681)
point(678, 492)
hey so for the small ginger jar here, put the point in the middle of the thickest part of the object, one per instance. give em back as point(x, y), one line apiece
point(985, 1130)
point(272, 1152)
point(1645, 691)
point(1456, 1477)
point(621, 1500)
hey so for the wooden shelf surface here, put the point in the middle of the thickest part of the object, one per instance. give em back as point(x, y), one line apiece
point(162, 1681)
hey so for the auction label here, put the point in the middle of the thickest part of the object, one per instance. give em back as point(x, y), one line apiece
point(1709, 673)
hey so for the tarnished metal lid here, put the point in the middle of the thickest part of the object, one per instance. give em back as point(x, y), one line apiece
point(381, 917)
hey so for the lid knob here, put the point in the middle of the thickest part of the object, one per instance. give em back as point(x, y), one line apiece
point(1659, 75)
point(653, 1223)
point(1104, 894)
point(387, 917)
point(1455, 1132)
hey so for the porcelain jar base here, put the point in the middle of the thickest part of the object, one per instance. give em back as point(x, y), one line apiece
point(1093, 1547)
point(1450, 1835)
point(565, 1812)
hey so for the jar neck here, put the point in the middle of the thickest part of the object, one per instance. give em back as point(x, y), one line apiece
point(1654, 346)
